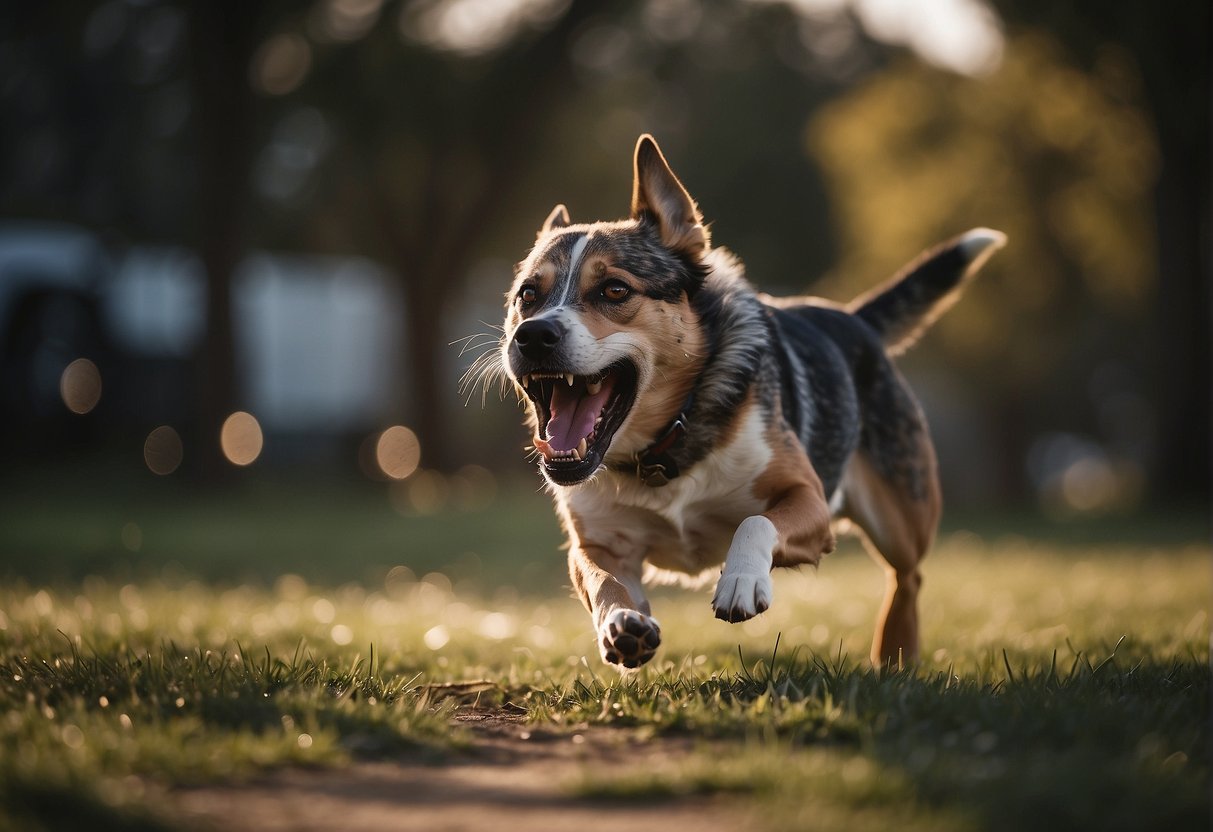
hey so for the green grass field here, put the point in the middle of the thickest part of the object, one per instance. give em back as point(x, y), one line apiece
point(150, 640)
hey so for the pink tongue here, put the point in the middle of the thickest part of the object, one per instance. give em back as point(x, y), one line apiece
point(574, 412)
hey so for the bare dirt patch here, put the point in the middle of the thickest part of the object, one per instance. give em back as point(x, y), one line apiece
point(515, 777)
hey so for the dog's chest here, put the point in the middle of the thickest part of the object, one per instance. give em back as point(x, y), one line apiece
point(687, 525)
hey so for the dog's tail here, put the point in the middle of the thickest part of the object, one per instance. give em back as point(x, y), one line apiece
point(901, 309)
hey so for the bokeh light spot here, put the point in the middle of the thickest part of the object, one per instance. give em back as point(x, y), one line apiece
point(425, 492)
point(345, 20)
point(324, 611)
point(241, 438)
point(436, 637)
point(132, 537)
point(398, 452)
point(80, 386)
point(72, 736)
point(280, 64)
point(162, 450)
point(497, 626)
point(473, 488)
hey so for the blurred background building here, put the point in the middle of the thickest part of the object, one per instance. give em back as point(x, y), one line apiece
point(298, 212)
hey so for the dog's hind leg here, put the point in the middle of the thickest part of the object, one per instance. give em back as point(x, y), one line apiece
point(898, 516)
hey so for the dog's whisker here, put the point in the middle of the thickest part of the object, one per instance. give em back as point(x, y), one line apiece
point(483, 371)
point(480, 374)
point(469, 344)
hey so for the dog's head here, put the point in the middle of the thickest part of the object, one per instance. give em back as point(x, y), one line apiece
point(600, 332)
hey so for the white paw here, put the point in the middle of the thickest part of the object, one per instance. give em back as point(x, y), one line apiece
point(742, 595)
point(628, 638)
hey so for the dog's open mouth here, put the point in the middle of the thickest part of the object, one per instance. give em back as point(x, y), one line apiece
point(578, 417)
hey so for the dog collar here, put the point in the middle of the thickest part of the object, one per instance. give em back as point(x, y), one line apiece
point(656, 465)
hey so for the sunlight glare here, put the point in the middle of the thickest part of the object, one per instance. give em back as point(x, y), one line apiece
point(964, 36)
point(474, 27)
point(960, 35)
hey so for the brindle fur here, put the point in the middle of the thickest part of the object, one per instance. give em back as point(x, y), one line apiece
point(798, 417)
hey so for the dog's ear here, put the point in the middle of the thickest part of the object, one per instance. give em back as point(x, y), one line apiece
point(559, 218)
point(658, 195)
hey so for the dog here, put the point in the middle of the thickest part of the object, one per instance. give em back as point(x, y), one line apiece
point(687, 425)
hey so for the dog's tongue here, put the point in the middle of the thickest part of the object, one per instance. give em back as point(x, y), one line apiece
point(573, 413)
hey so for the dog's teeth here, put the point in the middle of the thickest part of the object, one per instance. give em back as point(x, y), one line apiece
point(526, 380)
point(569, 378)
point(592, 387)
point(579, 451)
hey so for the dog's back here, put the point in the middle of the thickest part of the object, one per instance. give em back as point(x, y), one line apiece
point(840, 392)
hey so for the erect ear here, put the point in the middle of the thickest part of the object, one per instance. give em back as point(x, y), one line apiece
point(657, 194)
point(559, 218)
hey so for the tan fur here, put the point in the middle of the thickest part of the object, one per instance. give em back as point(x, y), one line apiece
point(675, 344)
point(898, 531)
point(657, 191)
point(559, 218)
point(796, 502)
point(598, 576)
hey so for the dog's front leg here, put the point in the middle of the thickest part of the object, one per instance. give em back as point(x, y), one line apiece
point(611, 590)
point(795, 529)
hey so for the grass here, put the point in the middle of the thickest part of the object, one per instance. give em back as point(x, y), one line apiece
point(1064, 683)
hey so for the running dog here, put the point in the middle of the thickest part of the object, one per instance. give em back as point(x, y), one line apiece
point(689, 426)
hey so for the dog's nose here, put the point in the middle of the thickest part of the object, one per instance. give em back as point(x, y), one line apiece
point(537, 338)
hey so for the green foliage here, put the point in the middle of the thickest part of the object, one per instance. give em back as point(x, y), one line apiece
point(1062, 160)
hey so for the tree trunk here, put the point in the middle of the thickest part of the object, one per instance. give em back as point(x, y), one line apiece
point(1181, 366)
point(221, 44)
point(1179, 94)
point(424, 312)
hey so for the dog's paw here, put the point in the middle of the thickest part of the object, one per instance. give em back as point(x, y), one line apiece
point(629, 638)
point(741, 595)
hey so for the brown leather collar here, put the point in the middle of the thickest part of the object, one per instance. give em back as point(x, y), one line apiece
point(656, 465)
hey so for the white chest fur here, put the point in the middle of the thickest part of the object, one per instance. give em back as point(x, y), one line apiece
point(684, 527)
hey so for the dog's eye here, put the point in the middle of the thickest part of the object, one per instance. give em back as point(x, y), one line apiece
point(527, 295)
point(616, 292)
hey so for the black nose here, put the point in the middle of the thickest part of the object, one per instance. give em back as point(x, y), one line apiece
point(536, 339)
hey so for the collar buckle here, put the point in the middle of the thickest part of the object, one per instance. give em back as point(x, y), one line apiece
point(655, 466)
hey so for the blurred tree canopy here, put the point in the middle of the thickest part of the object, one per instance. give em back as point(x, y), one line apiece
point(1089, 147)
point(1061, 160)
point(434, 135)
point(1170, 46)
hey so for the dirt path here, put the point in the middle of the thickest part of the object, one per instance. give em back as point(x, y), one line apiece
point(516, 778)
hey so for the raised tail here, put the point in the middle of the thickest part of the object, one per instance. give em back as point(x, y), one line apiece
point(902, 308)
